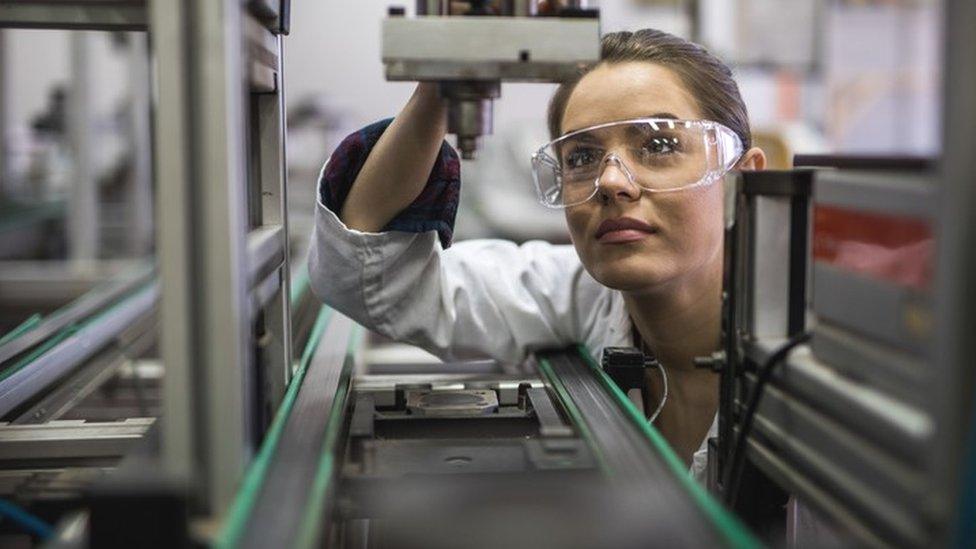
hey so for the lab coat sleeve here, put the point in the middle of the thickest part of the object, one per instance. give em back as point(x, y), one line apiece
point(481, 297)
point(433, 209)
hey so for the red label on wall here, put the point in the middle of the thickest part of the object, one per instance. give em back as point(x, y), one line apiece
point(892, 248)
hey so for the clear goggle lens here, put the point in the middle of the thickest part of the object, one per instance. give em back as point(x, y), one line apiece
point(658, 155)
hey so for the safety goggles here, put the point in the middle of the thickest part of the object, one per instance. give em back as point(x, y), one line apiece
point(655, 154)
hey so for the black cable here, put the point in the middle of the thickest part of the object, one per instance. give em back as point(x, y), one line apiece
point(733, 474)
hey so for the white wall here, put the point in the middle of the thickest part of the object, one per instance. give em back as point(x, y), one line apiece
point(883, 79)
point(334, 50)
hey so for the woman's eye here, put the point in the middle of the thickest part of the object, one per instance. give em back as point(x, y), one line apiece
point(661, 146)
point(581, 158)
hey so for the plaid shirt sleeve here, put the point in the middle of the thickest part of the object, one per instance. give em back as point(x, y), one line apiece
point(433, 210)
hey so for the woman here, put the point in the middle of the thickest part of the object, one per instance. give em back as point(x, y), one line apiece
point(646, 135)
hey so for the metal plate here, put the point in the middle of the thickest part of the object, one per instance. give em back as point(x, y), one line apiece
point(452, 403)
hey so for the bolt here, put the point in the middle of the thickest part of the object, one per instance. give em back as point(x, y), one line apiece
point(715, 362)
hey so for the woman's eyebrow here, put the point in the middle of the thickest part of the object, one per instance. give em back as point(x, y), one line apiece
point(663, 115)
point(582, 138)
point(660, 115)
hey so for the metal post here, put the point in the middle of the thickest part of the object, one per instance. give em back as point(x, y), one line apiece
point(956, 269)
point(200, 178)
point(4, 102)
point(276, 356)
point(83, 225)
point(139, 211)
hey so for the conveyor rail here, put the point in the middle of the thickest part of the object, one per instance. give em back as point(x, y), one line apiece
point(290, 491)
point(71, 346)
point(44, 349)
point(34, 332)
point(284, 490)
point(632, 451)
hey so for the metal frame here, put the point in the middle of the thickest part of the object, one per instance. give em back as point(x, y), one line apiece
point(889, 466)
point(111, 15)
point(843, 446)
point(4, 108)
point(956, 303)
point(71, 441)
point(847, 424)
point(84, 307)
point(218, 134)
point(139, 239)
point(222, 238)
point(32, 378)
point(133, 342)
point(758, 293)
point(83, 221)
point(200, 166)
point(269, 176)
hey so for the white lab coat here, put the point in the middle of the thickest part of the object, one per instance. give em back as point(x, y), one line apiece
point(478, 298)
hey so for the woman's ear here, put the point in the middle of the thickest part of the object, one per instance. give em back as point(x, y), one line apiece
point(753, 160)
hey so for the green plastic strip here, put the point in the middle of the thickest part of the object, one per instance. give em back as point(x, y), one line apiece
point(315, 507)
point(254, 477)
point(70, 329)
point(22, 328)
point(67, 332)
point(734, 531)
point(38, 351)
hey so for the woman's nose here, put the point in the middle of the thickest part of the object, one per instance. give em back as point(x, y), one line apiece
point(616, 181)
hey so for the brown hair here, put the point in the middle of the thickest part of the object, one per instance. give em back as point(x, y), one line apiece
point(707, 79)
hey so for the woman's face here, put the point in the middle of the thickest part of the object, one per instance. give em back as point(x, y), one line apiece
point(685, 235)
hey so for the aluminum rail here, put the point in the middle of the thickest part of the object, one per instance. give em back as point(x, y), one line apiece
point(31, 375)
point(284, 493)
point(85, 306)
point(74, 388)
point(113, 15)
point(71, 440)
point(106, 15)
point(632, 452)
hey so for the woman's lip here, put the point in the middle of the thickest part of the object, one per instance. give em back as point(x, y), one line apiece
point(622, 236)
point(621, 224)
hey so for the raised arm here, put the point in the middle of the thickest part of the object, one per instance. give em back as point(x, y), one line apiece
point(399, 165)
point(385, 262)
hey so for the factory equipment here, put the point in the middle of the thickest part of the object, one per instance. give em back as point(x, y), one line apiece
point(847, 366)
point(223, 315)
point(555, 457)
point(844, 259)
point(470, 50)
